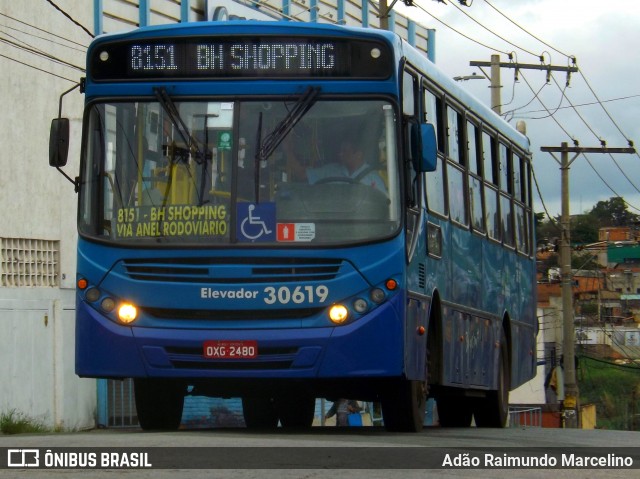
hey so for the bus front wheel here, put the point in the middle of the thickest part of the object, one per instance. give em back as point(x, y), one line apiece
point(158, 403)
point(404, 406)
point(296, 412)
point(259, 412)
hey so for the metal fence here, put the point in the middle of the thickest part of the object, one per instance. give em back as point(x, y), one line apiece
point(525, 416)
point(116, 403)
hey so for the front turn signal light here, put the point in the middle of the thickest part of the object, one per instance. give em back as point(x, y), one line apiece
point(127, 313)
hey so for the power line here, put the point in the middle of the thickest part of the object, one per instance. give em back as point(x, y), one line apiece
point(494, 33)
point(41, 30)
point(71, 18)
point(526, 31)
point(35, 51)
point(562, 90)
point(535, 96)
point(607, 184)
point(459, 32)
point(36, 68)
point(83, 50)
point(535, 180)
point(628, 97)
point(575, 142)
point(601, 141)
point(605, 110)
point(598, 101)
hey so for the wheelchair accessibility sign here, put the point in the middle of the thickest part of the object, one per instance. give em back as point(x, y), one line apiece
point(256, 222)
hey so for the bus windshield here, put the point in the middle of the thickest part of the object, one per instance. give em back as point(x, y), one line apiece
point(224, 172)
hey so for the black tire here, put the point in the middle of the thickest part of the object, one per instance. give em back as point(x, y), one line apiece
point(159, 403)
point(259, 413)
point(493, 410)
point(404, 406)
point(454, 411)
point(296, 412)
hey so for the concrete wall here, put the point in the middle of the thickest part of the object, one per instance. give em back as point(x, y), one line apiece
point(39, 210)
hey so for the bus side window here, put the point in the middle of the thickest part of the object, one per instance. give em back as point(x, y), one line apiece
point(454, 135)
point(489, 160)
point(517, 178)
point(506, 213)
point(475, 178)
point(409, 86)
point(436, 200)
point(433, 114)
point(504, 158)
point(521, 212)
point(490, 175)
point(455, 167)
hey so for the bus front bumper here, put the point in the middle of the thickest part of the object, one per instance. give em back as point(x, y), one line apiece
point(371, 346)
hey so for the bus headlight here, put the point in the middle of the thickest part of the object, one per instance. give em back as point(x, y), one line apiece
point(127, 313)
point(338, 313)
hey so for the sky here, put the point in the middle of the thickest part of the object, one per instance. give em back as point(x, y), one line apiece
point(603, 38)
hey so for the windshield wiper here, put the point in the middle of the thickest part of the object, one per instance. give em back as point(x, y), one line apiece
point(174, 115)
point(280, 132)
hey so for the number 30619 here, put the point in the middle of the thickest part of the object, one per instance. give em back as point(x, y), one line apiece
point(297, 295)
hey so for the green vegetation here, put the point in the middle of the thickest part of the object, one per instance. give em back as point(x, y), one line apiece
point(614, 389)
point(14, 422)
point(585, 226)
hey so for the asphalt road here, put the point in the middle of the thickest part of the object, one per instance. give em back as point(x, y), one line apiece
point(324, 453)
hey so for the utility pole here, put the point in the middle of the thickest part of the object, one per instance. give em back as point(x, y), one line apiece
point(496, 102)
point(495, 64)
point(384, 10)
point(571, 406)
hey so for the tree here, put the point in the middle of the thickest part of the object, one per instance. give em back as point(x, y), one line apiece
point(612, 212)
point(584, 230)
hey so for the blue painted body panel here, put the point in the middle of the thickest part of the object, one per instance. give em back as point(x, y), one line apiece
point(172, 346)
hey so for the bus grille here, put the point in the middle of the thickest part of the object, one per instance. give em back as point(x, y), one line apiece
point(231, 315)
point(232, 270)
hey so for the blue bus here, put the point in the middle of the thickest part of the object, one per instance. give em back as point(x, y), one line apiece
point(282, 211)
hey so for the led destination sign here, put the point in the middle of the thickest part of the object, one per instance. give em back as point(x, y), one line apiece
point(207, 57)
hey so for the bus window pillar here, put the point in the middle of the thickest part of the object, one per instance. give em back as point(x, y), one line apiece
point(392, 164)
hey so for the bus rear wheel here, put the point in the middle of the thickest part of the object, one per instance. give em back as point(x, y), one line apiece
point(404, 406)
point(454, 411)
point(493, 410)
point(159, 403)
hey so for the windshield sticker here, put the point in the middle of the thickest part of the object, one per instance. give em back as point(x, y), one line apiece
point(256, 221)
point(178, 220)
point(296, 232)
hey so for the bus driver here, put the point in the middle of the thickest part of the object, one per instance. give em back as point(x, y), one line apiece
point(351, 165)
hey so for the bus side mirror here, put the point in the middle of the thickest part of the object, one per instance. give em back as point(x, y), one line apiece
point(59, 142)
point(424, 147)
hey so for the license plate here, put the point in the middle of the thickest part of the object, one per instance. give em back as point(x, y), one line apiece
point(230, 349)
